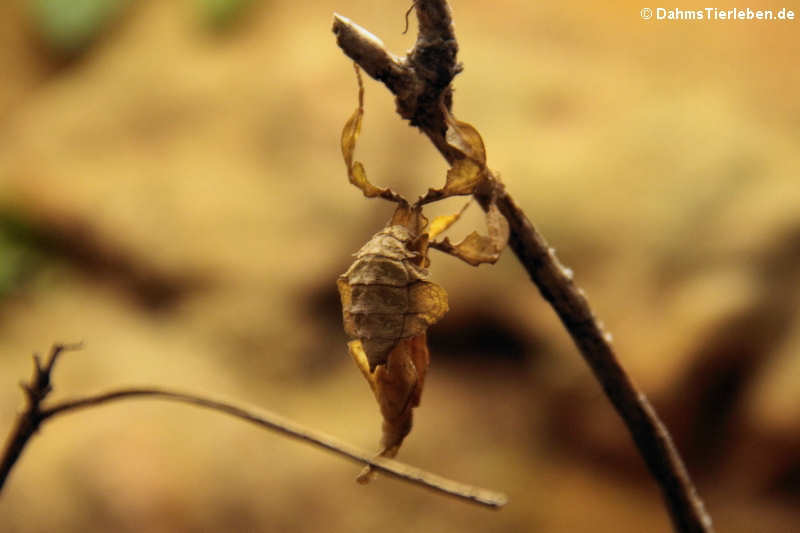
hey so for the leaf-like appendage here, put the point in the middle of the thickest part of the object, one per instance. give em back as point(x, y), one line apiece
point(427, 304)
point(467, 171)
point(464, 138)
point(355, 170)
point(475, 248)
point(441, 223)
point(463, 177)
point(397, 386)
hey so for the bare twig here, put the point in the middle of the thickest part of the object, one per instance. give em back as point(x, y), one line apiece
point(35, 414)
point(30, 419)
point(420, 82)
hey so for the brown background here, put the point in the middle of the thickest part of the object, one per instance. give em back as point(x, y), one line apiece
point(173, 194)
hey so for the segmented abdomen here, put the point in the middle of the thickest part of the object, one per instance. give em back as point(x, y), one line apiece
point(386, 296)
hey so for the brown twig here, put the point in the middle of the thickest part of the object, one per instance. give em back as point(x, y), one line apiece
point(35, 414)
point(420, 82)
point(28, 422)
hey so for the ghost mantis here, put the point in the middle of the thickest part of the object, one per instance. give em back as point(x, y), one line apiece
point(388, 302)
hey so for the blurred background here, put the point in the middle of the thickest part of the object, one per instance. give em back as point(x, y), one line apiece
point(172, 193)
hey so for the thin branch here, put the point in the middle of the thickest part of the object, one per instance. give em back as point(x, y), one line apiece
point(34, 415)
point(431, 65)
point(28, 422)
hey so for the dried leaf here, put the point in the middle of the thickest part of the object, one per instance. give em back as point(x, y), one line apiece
point(475, 248)
point(355, 170)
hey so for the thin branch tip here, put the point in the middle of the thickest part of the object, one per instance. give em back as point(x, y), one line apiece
point(55, 353)
point(68, 347)
point(338, 22)
point(344, 27)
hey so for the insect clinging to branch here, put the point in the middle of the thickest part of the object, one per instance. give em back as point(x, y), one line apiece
point(388, 302)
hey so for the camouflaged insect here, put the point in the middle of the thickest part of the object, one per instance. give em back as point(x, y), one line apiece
point(388, 302)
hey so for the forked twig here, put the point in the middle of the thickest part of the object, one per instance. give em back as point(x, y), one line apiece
point(35, 414)
point(420, 82)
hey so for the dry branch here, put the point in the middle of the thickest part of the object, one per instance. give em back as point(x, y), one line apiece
point(35, 414)
point(420, 82)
